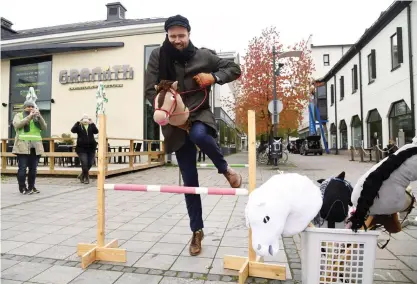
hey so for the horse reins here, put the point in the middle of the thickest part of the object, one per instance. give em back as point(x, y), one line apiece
point(174, 105)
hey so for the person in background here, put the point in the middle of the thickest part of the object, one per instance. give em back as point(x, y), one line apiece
point(199, 155)
point(28, 145)
point(86, 145)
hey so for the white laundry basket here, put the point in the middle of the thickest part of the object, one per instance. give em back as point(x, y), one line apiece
point(338, 256)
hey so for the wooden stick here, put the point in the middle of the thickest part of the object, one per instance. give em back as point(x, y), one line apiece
point(252, 168)
point(102, 150)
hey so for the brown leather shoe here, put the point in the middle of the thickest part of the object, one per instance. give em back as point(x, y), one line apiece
point(195, 246)
point(234, 179)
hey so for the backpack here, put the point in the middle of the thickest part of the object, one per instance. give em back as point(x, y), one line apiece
point(336, 200)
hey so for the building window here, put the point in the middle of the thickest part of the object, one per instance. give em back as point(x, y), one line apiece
point(151, 128)
point(396, 49)
point(356, 130)
point(331, 94)
point(26, 73)
point(326, 60)
point(343, 135)
point(400, 118)
point(342, 87)
point(354, 78)
point(371, 66)
point(333, 132)
point(374, 128)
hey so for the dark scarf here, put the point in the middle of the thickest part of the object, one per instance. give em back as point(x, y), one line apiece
point(169, 54)
point(26, 128)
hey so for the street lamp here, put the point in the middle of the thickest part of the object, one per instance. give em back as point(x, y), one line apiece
point(294, 53)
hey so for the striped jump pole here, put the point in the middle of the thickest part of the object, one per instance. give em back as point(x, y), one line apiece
point(230, 165)
point(178, 189)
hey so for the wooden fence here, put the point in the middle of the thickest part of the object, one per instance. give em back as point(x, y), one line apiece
point(61, 158)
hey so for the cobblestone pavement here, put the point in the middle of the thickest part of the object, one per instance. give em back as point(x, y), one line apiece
point(40, 232)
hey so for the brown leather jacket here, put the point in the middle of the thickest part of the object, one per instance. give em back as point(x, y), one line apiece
point(203, 61)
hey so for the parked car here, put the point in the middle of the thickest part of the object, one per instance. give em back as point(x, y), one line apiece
point(311, 145)
point(298, 144)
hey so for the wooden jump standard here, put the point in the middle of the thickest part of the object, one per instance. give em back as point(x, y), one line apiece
point(247, 266)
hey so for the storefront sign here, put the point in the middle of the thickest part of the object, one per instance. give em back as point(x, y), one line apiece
point(116, 72)
point(106, 86)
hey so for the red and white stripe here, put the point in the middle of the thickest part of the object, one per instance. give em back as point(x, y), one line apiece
point(178, 189)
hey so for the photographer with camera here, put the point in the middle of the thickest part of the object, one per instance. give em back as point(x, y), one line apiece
point(28, 145)
point(86, 145)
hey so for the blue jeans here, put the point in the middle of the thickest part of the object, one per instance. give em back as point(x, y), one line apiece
point(86, 161)
point(27, 161)
point(200, 136)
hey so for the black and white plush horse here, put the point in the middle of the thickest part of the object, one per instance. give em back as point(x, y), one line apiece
point(336, 194)
point(381, 193)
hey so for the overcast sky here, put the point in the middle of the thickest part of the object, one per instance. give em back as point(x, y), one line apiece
point(225, 25)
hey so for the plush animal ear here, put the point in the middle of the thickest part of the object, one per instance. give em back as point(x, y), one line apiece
point(341, 175)
point(320, 180)
point(175, 85)
point(156, 88)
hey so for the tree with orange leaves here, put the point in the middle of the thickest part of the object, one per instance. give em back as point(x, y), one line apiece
point(255, 86)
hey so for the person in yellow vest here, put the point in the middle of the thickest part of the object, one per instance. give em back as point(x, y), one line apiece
point(28, 146)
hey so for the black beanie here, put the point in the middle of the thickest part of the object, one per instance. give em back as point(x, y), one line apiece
point(177, 20)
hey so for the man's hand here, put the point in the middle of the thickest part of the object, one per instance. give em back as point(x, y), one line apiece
point(204, 79)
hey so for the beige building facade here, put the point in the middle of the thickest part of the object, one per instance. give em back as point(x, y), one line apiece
point(65, 64)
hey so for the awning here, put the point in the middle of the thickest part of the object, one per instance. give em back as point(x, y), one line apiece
point(29, 50)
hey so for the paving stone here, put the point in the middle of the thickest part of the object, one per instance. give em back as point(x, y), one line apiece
point(192, 264)
point(142, 270)
point(129, 269)
point(7, 246)
point(156, 261)
point(106, 267)
point(30, 249)
point(227, 278)
point(213, 277)
point(156, 271)
point(71, 263)
point(410, 261)
point(183, 274)
point(97, 276)
point(58, 275)
point(91, 266)
point(137, 246)
point(390, 264)
point(199, 276)
point(170, 273)
point(166, 248)
point(7, 263)
point(29, 270)
point(49, 261)
point(389, 275)
point(131, 278)
point(174, 280)
point(412, 275)
point(117, 268)
point(5, 281)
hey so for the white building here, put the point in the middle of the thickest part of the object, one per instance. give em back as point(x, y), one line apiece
point(324, 58)
point(224, 95)
point(371, 90)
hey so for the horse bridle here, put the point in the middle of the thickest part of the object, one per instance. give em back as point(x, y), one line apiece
point(174, 105)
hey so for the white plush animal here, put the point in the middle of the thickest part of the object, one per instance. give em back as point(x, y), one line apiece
point(31, 96)
point(283, 205)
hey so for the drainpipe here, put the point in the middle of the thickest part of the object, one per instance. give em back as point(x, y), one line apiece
point(335, 115)
point(360, 93)
point(410, 61)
